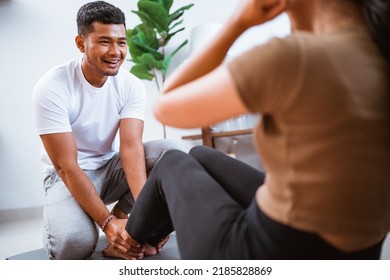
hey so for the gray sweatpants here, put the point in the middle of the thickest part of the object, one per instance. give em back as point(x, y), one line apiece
point(69, 233)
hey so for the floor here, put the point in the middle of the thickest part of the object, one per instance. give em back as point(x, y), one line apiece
point(19, 237)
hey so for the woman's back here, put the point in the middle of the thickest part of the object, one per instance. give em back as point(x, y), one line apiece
point(324, 135)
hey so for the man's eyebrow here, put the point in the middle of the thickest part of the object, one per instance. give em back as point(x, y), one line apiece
point(110, 38)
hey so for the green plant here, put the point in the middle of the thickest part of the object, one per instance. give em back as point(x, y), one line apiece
point(147, 41)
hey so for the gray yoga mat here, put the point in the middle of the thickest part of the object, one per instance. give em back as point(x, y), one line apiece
point(169, 252)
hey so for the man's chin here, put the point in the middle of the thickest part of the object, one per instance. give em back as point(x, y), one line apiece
point(111, 72)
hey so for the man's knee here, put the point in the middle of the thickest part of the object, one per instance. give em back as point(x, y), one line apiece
point(154, 150)
point(71, 245)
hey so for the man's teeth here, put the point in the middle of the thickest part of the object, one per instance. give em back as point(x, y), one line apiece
point(112, 60)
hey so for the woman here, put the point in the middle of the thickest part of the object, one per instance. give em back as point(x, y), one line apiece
point(324, 94)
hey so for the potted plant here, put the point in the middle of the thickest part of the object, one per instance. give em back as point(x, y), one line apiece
point(147, 41)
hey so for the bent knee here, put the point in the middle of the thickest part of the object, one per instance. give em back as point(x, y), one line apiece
point(71, 246)
point(200, 152)
point(174, 155)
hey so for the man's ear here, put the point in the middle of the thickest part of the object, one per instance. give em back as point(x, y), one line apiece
point(80, 43)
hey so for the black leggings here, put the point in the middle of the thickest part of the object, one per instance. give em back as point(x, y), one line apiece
point(207, 197)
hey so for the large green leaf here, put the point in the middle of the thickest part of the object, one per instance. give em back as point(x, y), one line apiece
point(129, 33)
point(167, 4)
point(170, 35)
point(150, 61)
point(138, 48)
point(175, 16)
point(187, 7)
point(135, 50)
point(178, 13)
point(145, 18)
point(143, 39)
point(142, 72)
point(176, 24)
point(157, 13)
point(147, 36)
point(147, 41)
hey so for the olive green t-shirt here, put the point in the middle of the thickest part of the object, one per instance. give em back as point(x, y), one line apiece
point(324, 134)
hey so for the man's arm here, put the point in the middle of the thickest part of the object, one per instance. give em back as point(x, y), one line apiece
point(132, 156)
point(132, 153)
point(62, 151)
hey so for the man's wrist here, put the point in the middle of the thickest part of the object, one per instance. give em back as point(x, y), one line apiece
point(107, 221)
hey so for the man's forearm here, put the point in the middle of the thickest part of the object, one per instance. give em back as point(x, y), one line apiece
point(133, 162)
point(82, 189)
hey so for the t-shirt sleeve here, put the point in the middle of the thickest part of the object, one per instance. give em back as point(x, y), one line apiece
point(50, 104)
point(135, 102)
point(268, 76)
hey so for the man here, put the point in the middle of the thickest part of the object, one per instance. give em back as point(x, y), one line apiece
point(80, 106)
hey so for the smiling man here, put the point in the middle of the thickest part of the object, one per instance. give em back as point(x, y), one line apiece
point(80, 107)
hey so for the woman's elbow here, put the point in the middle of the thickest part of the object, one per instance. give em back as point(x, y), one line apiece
point(167, 113)
point(160, 111)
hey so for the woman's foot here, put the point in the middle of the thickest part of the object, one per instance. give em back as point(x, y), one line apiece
point(153, 250)
point(150, 250)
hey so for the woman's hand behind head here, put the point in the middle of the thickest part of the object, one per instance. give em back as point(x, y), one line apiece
point(255, 12)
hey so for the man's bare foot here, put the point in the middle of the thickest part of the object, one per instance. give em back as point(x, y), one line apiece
point(111, 252)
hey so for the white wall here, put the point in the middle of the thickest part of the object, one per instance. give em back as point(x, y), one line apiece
point(39, 34)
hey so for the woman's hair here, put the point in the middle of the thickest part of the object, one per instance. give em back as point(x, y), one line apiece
point(98, 11)
point(377, 13)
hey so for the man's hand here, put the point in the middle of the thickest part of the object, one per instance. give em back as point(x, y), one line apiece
point(121, 241)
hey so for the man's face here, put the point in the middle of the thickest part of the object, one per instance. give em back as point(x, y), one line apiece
point(105, 49)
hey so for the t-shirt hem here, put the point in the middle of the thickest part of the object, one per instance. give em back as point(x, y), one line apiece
point(54, 130)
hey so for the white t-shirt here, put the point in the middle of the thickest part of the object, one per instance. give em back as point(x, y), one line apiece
point(64, 101)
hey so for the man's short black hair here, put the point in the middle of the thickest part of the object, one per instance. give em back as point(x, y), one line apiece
point(98, 11)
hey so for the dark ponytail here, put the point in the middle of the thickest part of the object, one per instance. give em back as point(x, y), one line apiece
point(377, 13)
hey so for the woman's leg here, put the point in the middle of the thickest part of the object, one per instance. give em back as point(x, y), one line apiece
point(210, 224)
point(180, 194)
point(238, 179)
